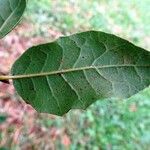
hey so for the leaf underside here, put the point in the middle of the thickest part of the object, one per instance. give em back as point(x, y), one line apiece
point(75, 71)
point(11, 12)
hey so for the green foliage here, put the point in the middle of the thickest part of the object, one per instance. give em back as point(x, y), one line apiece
point(3, 148)
point(11, 12)
point(116, 21)
point(110, 124)
point(77, 70)
point(128, 19)
point(2, 118)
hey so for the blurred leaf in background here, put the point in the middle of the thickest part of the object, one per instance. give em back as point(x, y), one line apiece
point(2, 118)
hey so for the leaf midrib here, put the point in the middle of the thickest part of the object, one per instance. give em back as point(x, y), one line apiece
point(71, 70)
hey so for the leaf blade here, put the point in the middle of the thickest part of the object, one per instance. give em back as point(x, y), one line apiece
point(79, 69)
point(11, 12)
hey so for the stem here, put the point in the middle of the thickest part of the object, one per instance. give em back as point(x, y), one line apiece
point(4, 78)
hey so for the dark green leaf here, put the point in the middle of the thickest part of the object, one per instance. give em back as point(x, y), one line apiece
point(77, 70)
point(11, 12)
point(2, 119)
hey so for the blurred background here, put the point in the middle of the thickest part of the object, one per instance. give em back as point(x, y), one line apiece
point(105, 125)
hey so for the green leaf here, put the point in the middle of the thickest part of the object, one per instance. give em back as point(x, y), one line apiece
point(77, 70)
point(11, 12)
point(2, 118)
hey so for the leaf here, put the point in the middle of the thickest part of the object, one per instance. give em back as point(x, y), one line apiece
point(2, 119)
point(77, 70)
point(11, 12)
